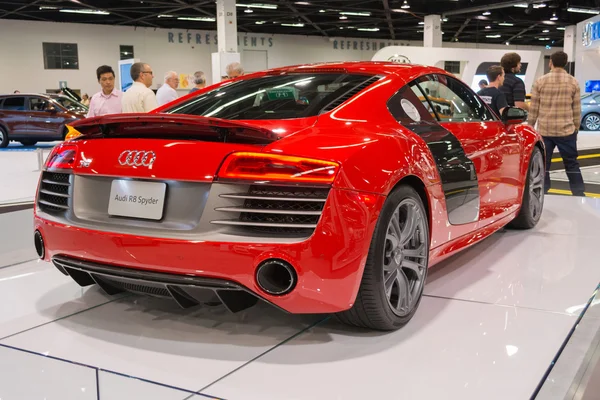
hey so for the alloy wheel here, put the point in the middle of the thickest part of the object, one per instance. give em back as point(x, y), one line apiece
point(592, 122)
point(405, 257)
point(536, 185)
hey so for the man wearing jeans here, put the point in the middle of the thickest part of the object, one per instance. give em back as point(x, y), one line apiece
point(556, 107)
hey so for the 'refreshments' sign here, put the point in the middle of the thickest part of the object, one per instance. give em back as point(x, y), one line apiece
point(348, 44)
point(212, 39)
point(591, 33)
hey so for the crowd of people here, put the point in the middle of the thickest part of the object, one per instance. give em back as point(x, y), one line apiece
point(555, 108)
point(139, 98)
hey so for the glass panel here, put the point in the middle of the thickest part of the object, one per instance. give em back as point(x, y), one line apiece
point(70, 63)
point(61, 56)
point(126, 52)
point(14, 103)
point(37, 104)
point(272, 97)
point(453, 101)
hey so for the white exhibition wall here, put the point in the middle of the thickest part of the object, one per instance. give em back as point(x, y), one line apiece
point(587, 58)
point(22, 66)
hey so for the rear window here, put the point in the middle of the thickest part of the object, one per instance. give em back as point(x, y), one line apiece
point(14, 104)
point(275, 97)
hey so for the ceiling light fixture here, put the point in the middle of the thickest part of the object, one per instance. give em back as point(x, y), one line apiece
point(493, 36)
point(254, 5)
point(84, 11)
point(48, 8)
point(405, 5)
point(506, 24)
point(488, 27)
point(545, 31)
point(203, 19)
point(487, 13)
point(343, 17)
point(166, 16)
point(368, 29)
point(554, 17)
point(294, 25)
point(248, 10)
point(260, 22)
point(583, 10)
point(302, 3)
point(358, 14)
point(525, 5)
point(561, 28)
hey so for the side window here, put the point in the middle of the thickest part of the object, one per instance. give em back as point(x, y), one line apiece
point(14, 104)
point(453, 101)
point(409, 106)
point(37, 104)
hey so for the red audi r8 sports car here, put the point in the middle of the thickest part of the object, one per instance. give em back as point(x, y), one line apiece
point(318, 189)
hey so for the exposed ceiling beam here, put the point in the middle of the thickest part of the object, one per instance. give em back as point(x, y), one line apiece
point(522, 32)
point(208, 14)
point(488, 7)
point(112, 12)
point(20, 8)
point(28, 15)
point(305, 18)
point(463, 26)
point(158, 13)
point(388, 17)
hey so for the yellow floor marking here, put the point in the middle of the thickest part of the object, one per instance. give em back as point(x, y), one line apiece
point(568, 192)
point(559, 159)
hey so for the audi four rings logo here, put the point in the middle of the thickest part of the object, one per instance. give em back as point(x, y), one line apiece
point(137, 158)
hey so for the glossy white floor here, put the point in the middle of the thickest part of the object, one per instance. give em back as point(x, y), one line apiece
point(491, 324)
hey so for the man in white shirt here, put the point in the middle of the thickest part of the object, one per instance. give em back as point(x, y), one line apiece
point(167, 93)
point(139, 98)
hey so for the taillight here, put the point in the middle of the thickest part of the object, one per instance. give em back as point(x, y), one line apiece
point(275, 167)
point(62, 157)
point(72, 133)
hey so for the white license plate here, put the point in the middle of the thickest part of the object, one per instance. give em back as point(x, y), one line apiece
point(136, 199)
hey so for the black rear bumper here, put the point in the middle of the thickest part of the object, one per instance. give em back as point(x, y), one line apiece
point(187, 291)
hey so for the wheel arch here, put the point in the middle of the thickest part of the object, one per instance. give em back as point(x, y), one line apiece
point(419, 186)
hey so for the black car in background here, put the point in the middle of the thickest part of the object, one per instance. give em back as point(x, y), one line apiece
point(32, 118)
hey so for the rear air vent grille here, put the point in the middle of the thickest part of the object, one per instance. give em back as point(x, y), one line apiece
point(276, 209)
point(54, 192)
point(349, 94)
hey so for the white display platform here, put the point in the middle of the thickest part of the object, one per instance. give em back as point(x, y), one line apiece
point(489, 327)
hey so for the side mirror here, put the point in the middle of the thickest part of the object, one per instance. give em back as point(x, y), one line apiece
point(514, 116)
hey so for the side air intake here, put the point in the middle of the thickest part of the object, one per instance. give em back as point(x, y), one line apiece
point(349, 94)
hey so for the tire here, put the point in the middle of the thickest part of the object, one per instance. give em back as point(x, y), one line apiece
point(378, 309)
point(28, 142)
point(533, 193)
point(591, 122)
point(3, 138)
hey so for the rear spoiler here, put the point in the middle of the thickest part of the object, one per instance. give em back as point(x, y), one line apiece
point(173, 126)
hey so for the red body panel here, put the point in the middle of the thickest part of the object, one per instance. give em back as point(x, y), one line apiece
point(375, 153)
point(327, 264)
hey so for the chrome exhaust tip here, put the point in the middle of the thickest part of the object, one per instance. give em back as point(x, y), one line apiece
point(276, 277)
point(38, 241)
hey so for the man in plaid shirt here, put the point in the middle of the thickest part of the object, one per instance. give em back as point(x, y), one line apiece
point(556, 107)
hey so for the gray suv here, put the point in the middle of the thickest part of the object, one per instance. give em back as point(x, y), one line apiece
point(590, 111)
